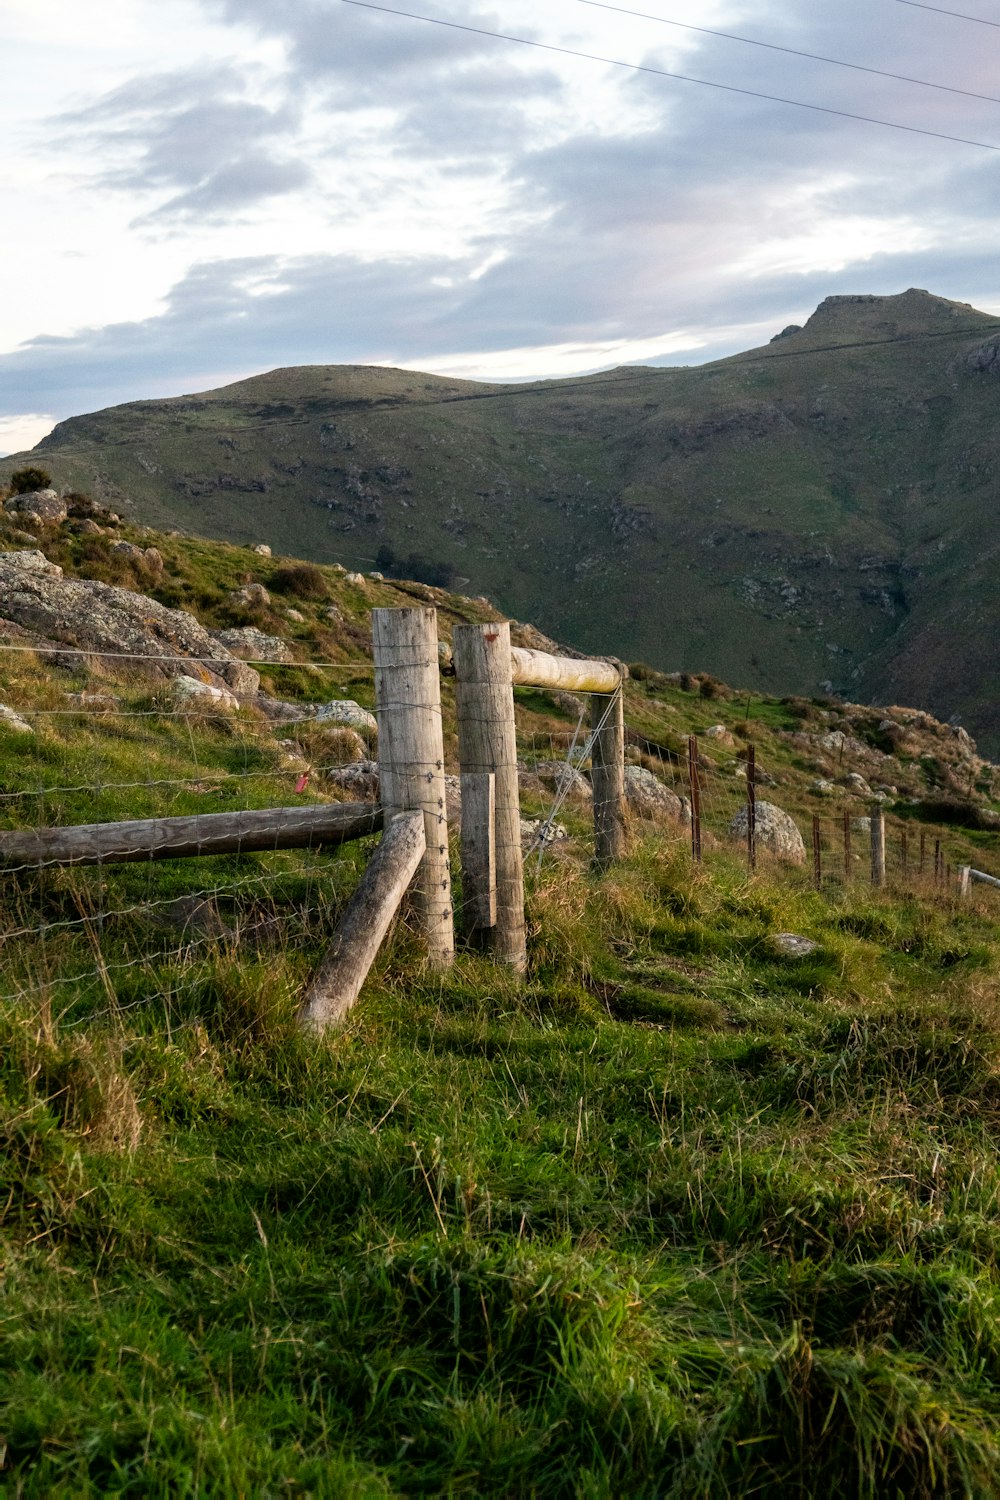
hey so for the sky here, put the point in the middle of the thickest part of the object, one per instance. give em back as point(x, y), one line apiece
point(199, 190)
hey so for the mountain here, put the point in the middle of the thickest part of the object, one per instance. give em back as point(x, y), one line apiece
point(815, 515)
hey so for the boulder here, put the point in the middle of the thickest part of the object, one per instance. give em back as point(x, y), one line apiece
point(251, 644)
point(564, 780)
point(359, 782)
point(720, 735)
point(776, 832)
point(647, 795)
point(113, 623)
point(346, 711)
point(535, 831)
point(129, 552)
point(356, 578)
point(43, 507)
point(11, 719)
point(261, 549)
point(250, 596)
point(189, 692)
point(857, 784)
point(295, 616)
point(793, 944)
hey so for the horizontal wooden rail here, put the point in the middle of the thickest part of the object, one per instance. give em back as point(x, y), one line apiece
point(539, 669)
point(182, 838)
point(966, 874)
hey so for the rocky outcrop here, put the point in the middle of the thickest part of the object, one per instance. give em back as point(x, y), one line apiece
point(113, 624)
point(37, 507)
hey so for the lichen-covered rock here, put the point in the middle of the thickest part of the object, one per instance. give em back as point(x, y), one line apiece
point(11, 719)
point(648, 796)
point(189, 692)
point(359, 782)
point(250, 596)
point(856, 783)
point(261, 549)
point(251, 644)
point(346, 711)
point(535, 831)
point(564, 780)
point(113, 623)
point(721, 736)
point(776, 831)
point(356, 578)
point(45, 507)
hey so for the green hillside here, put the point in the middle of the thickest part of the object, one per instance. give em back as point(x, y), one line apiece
point(681, 1212)
point(818, 513)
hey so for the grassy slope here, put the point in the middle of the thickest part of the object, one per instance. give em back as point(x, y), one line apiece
point(677, 1214)
point(820, 509)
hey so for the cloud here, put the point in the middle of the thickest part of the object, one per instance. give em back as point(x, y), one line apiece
point(195, 135)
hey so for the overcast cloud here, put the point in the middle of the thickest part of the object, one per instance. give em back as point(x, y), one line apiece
point(206, 190)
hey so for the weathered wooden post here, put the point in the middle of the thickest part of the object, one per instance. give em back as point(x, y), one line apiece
point(751, 804)
point(964, 880)
point(607, 761)
point(484, 695)
point(479, 870)
point(877, 824)
point(364, 924)
point(411, 757)
point(694, 782)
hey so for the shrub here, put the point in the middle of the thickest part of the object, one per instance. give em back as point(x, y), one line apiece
point(24, 481)
point(304, 580)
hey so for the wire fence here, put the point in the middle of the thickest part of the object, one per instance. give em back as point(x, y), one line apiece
point(110, 939)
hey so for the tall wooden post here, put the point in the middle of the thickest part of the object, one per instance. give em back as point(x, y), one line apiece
point(694, 782)
point(607, 717)
point(411, 758)
point(751, 804)
point(877, 822)
point(484, 697)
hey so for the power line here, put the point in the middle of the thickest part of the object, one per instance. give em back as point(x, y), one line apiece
point(958, 15)
point(749, 41)
point(727, 88)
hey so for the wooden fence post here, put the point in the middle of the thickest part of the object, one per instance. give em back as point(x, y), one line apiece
point(364, 923)
point(751, 804)
point(607, 717)
point(964, 880)
point(695, 786)
point(411, 757)
point(486, 742)
point(479, 873)
point(877, 822)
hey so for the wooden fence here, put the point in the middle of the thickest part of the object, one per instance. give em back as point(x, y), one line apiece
point(413, 856)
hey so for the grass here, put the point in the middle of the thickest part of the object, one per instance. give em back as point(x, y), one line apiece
point(677, 1213)
point(642, 1225)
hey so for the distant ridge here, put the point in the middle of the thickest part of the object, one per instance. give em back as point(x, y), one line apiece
point(815, 515)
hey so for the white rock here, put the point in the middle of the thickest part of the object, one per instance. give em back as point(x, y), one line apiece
point(261, 549)
point(776, 831)
point(188, 690)
point(32, 561)
point(794, 944)
point(346, 711)
point(356, 578)
point(13, 721)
